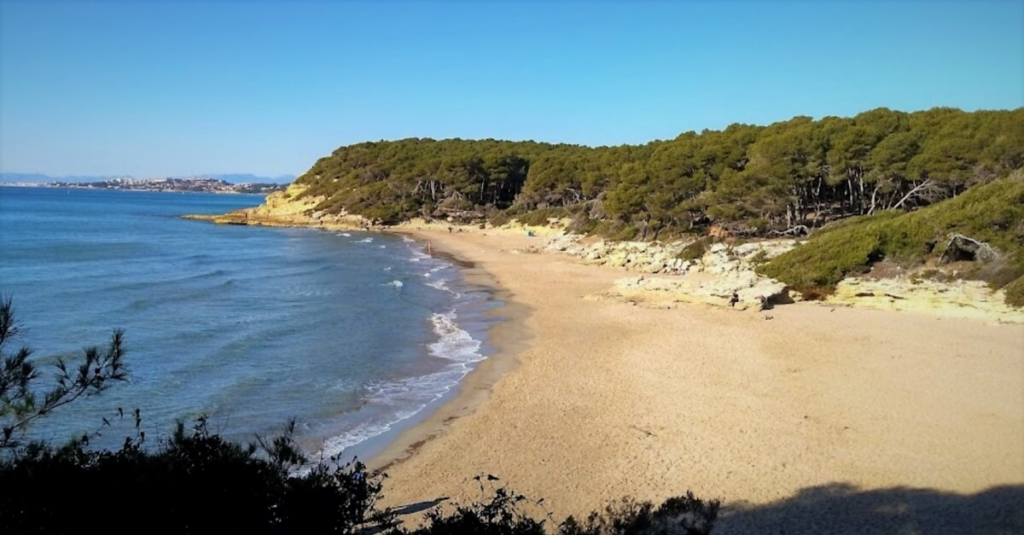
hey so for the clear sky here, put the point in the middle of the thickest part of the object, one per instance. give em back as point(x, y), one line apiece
point(175, 88)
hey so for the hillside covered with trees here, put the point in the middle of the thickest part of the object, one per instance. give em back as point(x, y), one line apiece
point(788, 177)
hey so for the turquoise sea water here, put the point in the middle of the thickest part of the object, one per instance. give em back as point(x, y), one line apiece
point(348, 333)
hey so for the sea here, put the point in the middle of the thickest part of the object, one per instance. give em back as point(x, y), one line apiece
point(354, 336)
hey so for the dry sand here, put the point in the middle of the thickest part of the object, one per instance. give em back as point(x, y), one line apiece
point(857, 418)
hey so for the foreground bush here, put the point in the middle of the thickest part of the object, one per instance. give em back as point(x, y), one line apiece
point(195, 482)
point(198, 482)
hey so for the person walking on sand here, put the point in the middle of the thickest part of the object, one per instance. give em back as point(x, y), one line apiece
point(734, 299)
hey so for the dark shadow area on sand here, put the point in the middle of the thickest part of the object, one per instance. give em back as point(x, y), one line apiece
point(843, 508)
point(419, 507)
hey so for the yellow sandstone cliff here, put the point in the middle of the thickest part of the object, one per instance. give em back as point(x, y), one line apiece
point(288, 208)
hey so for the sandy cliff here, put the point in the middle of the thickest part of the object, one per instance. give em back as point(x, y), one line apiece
point(288, 209)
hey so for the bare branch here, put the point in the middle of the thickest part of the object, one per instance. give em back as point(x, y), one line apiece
point(914, 191)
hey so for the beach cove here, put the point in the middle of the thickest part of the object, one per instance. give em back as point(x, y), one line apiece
point(819, 419)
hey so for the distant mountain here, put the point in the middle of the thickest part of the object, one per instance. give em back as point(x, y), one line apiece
point(233, 178)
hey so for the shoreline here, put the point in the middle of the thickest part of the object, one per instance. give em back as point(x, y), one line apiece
point(716, 401)
point(505, 337)
point(586, 400)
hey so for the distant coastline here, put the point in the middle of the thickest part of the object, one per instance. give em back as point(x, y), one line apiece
point(184, 185)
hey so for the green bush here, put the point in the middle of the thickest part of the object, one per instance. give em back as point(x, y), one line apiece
point(625, 233)
point(986, 213)
point(541, 217)
point(827, 261)
point(695, 250)
point(1015, 292)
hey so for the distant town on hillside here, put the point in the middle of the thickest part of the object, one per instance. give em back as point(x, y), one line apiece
point(201, 184)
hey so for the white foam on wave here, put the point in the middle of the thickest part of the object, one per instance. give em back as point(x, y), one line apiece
point(365, 240)
point(407, 239)
point(443, 286)
point(395, 283)
point(346, 234)
point(382, 246)
point(388, 268)
point(409, 396)
point(455, 343)
point(418, 256)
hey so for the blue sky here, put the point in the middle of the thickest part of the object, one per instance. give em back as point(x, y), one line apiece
point(176, 88)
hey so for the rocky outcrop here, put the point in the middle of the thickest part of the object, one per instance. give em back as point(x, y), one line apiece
point(289, 208)
point(711, 279)
point(724, 269)
point(717, 291)
point(664, 258)
point(964, 299)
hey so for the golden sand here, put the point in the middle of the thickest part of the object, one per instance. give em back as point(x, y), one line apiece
point(587, 401)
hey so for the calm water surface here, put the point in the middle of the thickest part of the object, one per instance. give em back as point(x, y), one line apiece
point(348, 333)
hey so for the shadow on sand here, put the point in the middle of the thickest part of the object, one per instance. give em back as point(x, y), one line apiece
point(419, 507)
point(843, 508)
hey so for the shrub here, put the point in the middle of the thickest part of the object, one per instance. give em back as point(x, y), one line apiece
point(685, 515)
point(627, 232)
point(1015, 292)
point(986, 213)
point(192, 483)
point(541, 217)
point(695, 250)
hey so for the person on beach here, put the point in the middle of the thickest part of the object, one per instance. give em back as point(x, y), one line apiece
point(762, 303)
point(734, 299)
point(430, 249)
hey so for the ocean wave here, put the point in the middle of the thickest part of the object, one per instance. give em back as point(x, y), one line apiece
point(403, 399)
point(395, 283)
point(307, 291)
point(407, 239)
point(442, 286)
point(455, 343)
point(395, 402)
point(361, 433)
point(200, 257)
point(365, 240)
point(418, 256)
point(150, 284)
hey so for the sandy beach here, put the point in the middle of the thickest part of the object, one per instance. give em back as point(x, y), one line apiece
point(818, 419)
